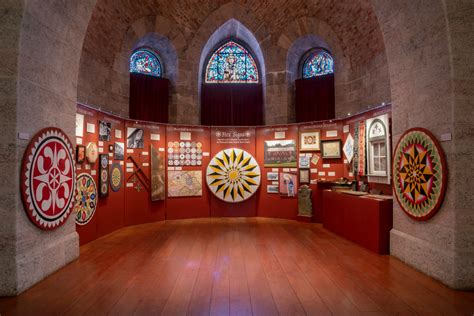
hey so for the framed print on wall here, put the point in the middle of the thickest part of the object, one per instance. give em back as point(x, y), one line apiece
point(80, 153)
point(280, 153)
point(331, 149)
point(273, 189)
point(304, 176)
point(287, 185)
point(103, 175)
point(310, 140)
point(272, 176)
point(119, 149)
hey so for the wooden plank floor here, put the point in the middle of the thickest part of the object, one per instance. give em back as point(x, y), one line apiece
point(235, 266)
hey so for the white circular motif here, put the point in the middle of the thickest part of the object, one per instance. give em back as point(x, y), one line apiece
point(48, 178)
point(233, 175)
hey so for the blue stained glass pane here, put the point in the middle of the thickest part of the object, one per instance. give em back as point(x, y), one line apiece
point(231, 63)
point(317, 64)
point(145, 62)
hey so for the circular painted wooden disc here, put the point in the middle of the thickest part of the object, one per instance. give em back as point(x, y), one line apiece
point(48, 178)
point(92, 152)
point(86, 199)
point(116, 177)
point(419, 174)
point(233, 175)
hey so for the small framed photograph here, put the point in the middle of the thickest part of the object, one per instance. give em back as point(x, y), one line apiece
point(111, 148)
point(105, 129)
point(80, 153)
point(310, 140)
point(331, 149)
point(304, 162)
point(272, 189)
point(119, 150)
point(272, 176)
point(288, 184)
point(304, 176)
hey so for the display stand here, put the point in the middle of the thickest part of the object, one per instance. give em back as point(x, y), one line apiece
point(363, 220)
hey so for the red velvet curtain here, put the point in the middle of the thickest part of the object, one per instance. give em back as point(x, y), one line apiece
point(149, 98)
point(231, 104)
point(315, 98)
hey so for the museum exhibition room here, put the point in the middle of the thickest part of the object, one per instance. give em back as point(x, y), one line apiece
point(224, 157)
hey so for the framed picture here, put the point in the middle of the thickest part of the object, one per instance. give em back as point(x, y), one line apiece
point(273, 189)
point(310, 140)
point(135, 137)
point(119, 151)
point(331, 148)
point(280, 153)
point(287, 186)
point(105, 129)
point(304, 176)
point(103, 175)
point(80, 153)
point(304, 162)
point(111, 148)
point(272, 176)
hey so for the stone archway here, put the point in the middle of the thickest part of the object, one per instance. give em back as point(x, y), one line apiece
point(430, 87)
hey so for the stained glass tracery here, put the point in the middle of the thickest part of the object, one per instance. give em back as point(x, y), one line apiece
point(318, 63)
point(144, 61)
point(231, 63)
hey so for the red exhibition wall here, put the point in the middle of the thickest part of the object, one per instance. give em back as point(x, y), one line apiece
point(189, 206)
point(109, 214)
point(132, 204)
point(225, 138)
point(272, 204)
point(139, 208)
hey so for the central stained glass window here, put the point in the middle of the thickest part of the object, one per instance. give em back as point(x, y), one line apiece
point(144, 61)
point(318, 63)
point(231, 63)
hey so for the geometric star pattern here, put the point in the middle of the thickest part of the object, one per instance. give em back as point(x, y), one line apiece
point(420, 174)
point(233, 175)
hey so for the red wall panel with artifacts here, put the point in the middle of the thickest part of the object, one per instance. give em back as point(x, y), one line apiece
point(187, 152)
point(139, 137)
point(223, 203)
point(276, 148)
point(160, 171)
point(109, 212)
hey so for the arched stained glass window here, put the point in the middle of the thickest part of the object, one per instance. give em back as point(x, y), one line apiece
point(144, 61)
point(318, 63)
point(231, 63)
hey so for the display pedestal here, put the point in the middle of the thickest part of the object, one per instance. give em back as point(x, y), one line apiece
point(318, 190)
point(365, 221)
point(305, 218)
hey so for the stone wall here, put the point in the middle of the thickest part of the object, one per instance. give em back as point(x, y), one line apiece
point(10, 26)
point(461, 38)
point(422, 61)
point(48, 49)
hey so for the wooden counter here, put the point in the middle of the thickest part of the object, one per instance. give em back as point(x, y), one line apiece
point(365, 221)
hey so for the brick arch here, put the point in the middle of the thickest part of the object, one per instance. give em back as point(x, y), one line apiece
point(296, 40)
point(218, 18)
point(154, 30)
point(157, 32)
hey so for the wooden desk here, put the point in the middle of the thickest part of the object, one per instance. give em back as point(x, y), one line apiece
point(365, 221)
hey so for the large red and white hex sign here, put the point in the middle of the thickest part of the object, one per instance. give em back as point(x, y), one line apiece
point(48, 178)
